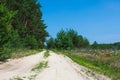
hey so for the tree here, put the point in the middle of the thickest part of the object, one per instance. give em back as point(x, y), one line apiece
point(73, 35)
point(51, 43)
point(5, 30)
point(28, 21)
point(94, 45)
point(68, 40)
point(85, 42)
point(21, 25)
point(79, 43)
point(63, 40)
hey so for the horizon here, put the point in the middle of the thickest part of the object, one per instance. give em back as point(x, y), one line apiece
point(97, 20)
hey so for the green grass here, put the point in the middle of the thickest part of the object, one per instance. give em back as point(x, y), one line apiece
point(18, 78)
point(24, 52)
point(46, 54)
point(109, 66)
point(40, 66)
point(31, 77)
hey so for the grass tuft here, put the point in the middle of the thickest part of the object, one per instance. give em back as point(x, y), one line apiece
point(107, 65)
point(24, 52)
point(40, 66)
point(46, 54)
point(18, 78)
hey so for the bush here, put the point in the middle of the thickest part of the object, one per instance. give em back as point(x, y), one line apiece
point(5, 52)
point(31, 42)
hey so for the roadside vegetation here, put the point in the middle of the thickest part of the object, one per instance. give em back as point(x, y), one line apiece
point(101, 58)
point(24, 52)
point(40, 66)
point(46, 54)
point(100, 62)
point(31, 77)
point(22, 33)
point(21, 27)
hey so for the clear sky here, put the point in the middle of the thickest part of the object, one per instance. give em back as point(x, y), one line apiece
point(97, 20)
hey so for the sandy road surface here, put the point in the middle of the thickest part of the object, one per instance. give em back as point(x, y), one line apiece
point(59, 68)
point(19, 66)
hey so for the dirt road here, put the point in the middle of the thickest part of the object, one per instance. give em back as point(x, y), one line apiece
point(59, 68)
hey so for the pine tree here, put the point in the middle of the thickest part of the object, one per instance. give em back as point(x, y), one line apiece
point(5, 30)
point(28, 21)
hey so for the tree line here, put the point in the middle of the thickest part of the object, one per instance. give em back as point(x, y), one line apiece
point(67, 39)
point(21, 26)
point(115, 45)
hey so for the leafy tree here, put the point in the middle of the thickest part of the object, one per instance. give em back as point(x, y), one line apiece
point(94, 45)
point(85, 42)
point(68, 39)
point(28, 21)
point(5, 30)
point(51, 43)
point(21, 25)
point(73, 35)
point(79, 41)
point(63, 40)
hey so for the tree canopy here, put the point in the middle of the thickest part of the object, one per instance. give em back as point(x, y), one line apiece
point(68, 39)
point(21, 25)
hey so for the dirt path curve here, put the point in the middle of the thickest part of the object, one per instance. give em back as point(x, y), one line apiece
point(63, 68)
point(59, 68)
point(16, 67)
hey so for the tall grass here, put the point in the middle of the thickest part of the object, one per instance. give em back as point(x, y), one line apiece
point(107, 65)
point(24, 52)
point(40, 66)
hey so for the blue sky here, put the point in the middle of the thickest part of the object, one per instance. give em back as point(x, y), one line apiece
point(98, 20)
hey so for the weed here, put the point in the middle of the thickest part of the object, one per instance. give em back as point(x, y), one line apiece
point(40, 66)
point(18, 78)
point(107, 64)
point(24, 52)
point(46, 54)
point(32, 77)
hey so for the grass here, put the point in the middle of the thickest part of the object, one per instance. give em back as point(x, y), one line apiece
point(40, 66)
point(24, 52)
point(46, 54)
point(109, 66)
point(31, 77)
point(18, 78)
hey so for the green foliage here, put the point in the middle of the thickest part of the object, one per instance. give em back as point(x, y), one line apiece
point(5, 52)
point(116, 45)
point(51, 43)
point(46, 54)
point(67, 40)
point(94, 45)
point(21, 26)
point(5, 24)
point(106, 65)
point(18, 53)
point(63, 40)
point(40, 66)
point(31, 42)
point(5, 31)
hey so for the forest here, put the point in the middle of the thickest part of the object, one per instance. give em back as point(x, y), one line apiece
point(21, 26)
point(69, 39)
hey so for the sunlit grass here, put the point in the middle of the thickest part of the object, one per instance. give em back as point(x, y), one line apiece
point(24, 52)
point(40, 66)
point(107, 65)
point(46, 54)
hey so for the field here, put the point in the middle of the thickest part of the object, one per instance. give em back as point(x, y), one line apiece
point(105, 62)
